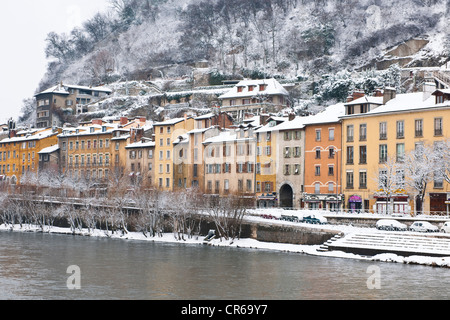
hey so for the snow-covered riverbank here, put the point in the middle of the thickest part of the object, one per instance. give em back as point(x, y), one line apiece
point(239, 243)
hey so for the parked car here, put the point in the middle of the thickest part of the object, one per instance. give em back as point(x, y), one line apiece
point(289, 218)
point(446, 227)
point(269, 216)
point(423, 226)
point(391, 225)
point(315, 219)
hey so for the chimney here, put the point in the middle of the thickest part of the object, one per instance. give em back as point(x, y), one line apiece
point(356, 95)
point(291, 116)
point(428, 89)
point(97, 121)
point(379, 93)
point(136, 134)
point(389, 94)
point(123, 121)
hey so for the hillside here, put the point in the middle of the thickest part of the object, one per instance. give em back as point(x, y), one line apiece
point(296, 40)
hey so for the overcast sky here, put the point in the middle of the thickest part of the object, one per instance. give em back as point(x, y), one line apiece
point(24, 25)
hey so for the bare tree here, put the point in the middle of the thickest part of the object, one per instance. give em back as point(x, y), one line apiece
point(390, 180)
point(419, 170)
point(228, 214)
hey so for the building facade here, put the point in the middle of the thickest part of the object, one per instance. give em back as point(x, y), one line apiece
point(254, 97)
point(375, 146)
point(323, 150)
point(19, 154)
point(62, 99)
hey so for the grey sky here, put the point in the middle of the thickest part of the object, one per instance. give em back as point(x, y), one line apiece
point(24, 25)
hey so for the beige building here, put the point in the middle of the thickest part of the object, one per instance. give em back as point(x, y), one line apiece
point(230, 162)
point(60, 100)
point(254, 97)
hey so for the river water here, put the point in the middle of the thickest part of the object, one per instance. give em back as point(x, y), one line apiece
point(35, 266)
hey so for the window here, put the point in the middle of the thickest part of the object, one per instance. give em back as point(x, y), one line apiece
point(383, 153)
point(438, 181)
point(331, 134)
point(362, 179)
point(226, 185)
point(349, 133)
point(362, 155)
point(349, 155)
point(349, 177)
point(297, 152)
point(400, 154)
point(287, 169)
point(418, 125)
point(268, 151)
point(331, 153)
point(318, 134)
point(400, 129)
point(287, 136)
point(330, 187)
point(268, 136)
point(363, 132)
point(331, 170)
point(317, 153)
point(383, 130)
point(438, 126)
point(297, 169)
point(317, 170)
point(297, 135)
point(317, 187)
point(249, 185)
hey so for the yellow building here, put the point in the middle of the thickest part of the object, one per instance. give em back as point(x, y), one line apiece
point(96, 150)
point(166, 133)
point(377, 134)
point(267, 159)
point(19, 153)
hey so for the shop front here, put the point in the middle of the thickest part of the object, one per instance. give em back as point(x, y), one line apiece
point(267, 200)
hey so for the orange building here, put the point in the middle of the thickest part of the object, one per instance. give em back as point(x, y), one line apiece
point(322, 185)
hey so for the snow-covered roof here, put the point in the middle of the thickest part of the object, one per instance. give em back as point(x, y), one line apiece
point(169, 122)
point(273, 88)
point(49, 149)
point(404, 102)
point(30, 136)
point(366, 99)
point(329, 115)
point(141, 144)
point(62, 89)
point(182, 139)
point(205, 116)
point(226, 136)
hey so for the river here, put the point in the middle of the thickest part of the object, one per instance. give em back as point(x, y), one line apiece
point(35, 266)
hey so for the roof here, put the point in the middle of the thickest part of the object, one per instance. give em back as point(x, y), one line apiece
point(169, 122)
point(49, 149)
point(366, 99)
point(141, 144)
point(30, 136)
point(273, 88)
point(405, 102)
point(62, 89)
point(329, 115)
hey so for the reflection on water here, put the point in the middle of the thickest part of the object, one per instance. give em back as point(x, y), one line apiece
point(34, 266)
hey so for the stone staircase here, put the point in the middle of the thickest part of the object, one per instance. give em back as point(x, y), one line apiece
point(325, 246)
point(403, 244)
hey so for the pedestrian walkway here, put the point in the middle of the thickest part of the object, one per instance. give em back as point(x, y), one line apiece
point(403, 244)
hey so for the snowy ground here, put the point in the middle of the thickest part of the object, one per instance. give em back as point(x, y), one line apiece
point(251, 243)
